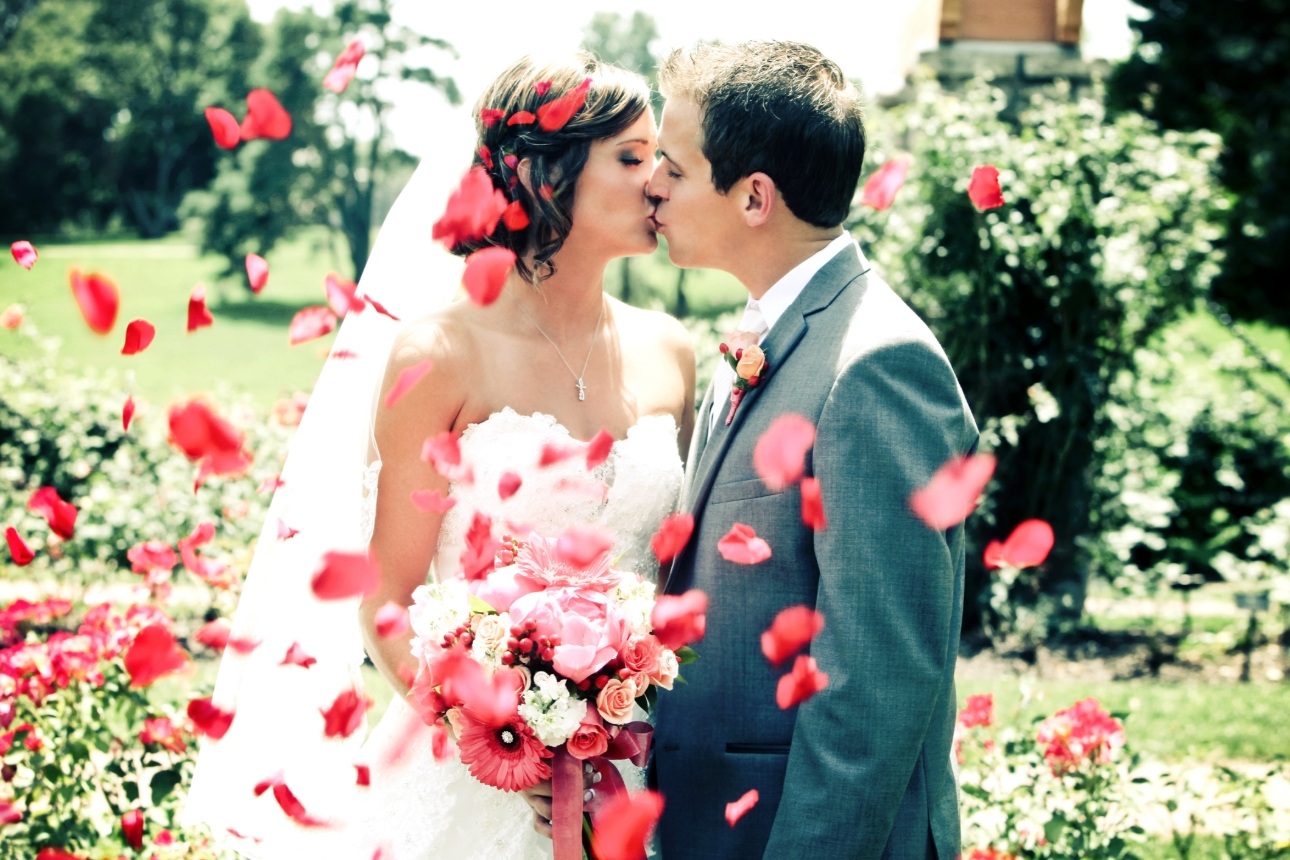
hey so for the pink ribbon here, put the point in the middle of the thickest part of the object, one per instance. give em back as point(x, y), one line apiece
point(632, 744)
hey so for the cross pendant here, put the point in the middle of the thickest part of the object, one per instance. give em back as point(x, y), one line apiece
point(582, 389)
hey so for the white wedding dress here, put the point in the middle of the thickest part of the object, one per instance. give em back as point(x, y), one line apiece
point(422, 809)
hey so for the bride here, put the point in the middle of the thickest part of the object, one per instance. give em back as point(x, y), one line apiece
point(552, 362)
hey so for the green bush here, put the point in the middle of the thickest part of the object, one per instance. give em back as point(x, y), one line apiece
point(1106, 236)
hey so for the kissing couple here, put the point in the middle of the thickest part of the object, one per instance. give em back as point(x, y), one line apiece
point(752, 171)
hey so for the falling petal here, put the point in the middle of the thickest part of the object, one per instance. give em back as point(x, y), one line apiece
point(11, 317)
point(209, 719)
point(224, 127)
point(739, 808)
point(623, 825)
point(296, 656)
point(779, 457)
point(680, 619)
point(198, 315)
point(791, 630)
point(345, 714)
point(742, 546)
point(18, 549)
point(408, 377)
point(486, 271)
point(345, 574)
point(599, 448)
point(508, 485)
point(391, 620)
point(265, 117)
point(152, 654)
point(881, 187)
point(60, 514)
point(138, 335)
point(672, 536)
point(1027, 546)
point(983, 189)
point(952, 493)
point(311, 323)
point(257, 272)
point(342, 71)
point(342, 296)
point(98, 299)
point(24, 253)
point(430, 501)
point(804, 681)
point(473, 210)
point(812, 505)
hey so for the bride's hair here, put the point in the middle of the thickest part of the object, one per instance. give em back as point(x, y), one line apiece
point(615, 100)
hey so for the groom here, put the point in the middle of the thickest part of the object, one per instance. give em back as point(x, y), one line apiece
point(762, 146)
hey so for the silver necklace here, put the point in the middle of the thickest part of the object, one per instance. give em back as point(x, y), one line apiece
point(577, 377)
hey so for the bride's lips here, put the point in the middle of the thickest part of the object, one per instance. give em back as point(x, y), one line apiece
point(653, 223)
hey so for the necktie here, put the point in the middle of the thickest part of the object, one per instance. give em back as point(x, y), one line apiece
point(753, 322)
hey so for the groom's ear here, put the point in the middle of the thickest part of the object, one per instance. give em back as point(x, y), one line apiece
point(524, 170)
point(758, 198)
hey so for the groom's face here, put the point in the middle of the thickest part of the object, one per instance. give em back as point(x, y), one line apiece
point(699, 222)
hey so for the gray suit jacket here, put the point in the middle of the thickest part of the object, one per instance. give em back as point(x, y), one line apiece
point(862, 769)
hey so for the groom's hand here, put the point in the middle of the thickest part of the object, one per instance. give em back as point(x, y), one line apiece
point(539, 798)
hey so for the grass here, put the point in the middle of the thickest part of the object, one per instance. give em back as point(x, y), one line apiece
point(1194, 721)
point(246, 349)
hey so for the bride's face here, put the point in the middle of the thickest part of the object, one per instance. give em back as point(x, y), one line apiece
point(611, 214)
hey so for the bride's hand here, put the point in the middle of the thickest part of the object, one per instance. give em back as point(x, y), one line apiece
point(539, 798)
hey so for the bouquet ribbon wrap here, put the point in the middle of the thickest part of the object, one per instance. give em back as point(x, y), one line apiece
point(632, 743)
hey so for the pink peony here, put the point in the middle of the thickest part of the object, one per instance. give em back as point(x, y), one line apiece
point(587, 644)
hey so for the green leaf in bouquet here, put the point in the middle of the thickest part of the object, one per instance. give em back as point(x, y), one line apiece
point(685, 655)
point(479, 606)
point(649, 698)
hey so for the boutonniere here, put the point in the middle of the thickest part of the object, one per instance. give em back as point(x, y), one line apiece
point(748, 361)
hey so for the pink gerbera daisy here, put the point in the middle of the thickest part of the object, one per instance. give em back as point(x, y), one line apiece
point(505, 754)
point(542, 561)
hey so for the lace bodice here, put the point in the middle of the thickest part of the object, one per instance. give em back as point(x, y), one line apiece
point(628, 495)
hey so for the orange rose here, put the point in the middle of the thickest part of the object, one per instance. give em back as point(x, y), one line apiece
point(616, 700)
point(751, 363)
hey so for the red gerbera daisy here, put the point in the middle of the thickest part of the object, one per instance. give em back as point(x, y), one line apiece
point(505, 755)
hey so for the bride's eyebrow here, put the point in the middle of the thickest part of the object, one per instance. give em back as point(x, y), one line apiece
point(632, 141)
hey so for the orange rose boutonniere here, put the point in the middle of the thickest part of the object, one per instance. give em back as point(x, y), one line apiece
point(749, 363)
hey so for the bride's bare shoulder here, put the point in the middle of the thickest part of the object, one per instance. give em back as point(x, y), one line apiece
point(657, 330)
point(446, 335)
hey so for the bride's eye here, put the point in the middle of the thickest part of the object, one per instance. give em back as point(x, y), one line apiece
point(631, 161)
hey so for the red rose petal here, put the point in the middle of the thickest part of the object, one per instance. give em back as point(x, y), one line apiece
point(345, 714)
point(290, 804)
point(443, 452)
point(739, 808)
point(553, 115)
point(60, 515)
point(430, 501)
point(542, 88)
point(624, 824)
point(508, 485)
point(472, 212)
point(265, 117)
point(363, 775)
point(881, 187)
point(24, 253)
point(521, 117)
point(680, 619)
point(380, 308)
point(779, 457)
point(599, 448)
point(342, 71)
point(983, 189)
point(804, 681)
point(342, 296)
point(132, 828)
point(218, 635)
point(391, 620)
point(490, 116)
point(18, 549)
point(138, 335)
point(98, 299)
point(672, 536)
point(257, 272)
point(198, 315)
point(286, 532)
point(953, 491)
point(557, 452)
point(345, 574)
point(477, 558)
point(812, 505)
point(1027, 546)
point(742, 546)
point(224, 127)
point(791, 630)
point(408, 377)
point(204, 436)
point(514, 216)
point(311, 323)
point(486, 272)
point(152, 654)
point(127, 413)
point(209, 719)
point(296, 656)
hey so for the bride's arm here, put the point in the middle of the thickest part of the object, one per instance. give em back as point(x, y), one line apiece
point(404, 538)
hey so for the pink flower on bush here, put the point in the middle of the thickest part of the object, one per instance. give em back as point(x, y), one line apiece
point(1083, 732)
point(163, 732)
point(987, 854)
point(977, 711)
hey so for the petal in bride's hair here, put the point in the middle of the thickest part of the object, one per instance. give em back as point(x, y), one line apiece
point(473, 210)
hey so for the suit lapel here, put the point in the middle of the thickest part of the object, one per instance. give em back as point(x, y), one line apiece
point(788, 331)
point(698, 444)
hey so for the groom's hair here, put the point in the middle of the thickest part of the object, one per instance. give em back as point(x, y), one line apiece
point(779, 108)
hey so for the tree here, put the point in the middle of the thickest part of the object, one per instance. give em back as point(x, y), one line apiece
point(1229, 73)
point(327, 171)
point(101, 109)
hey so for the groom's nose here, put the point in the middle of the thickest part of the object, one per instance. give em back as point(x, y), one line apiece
point(655, 186)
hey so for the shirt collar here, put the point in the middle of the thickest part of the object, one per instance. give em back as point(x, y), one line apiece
point(783, 292)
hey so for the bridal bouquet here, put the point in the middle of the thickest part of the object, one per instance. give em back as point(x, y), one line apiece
point(537, 664)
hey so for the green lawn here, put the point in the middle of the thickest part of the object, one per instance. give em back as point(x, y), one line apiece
point(246, 350)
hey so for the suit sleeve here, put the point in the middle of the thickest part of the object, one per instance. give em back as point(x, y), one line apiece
point(886, 590)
